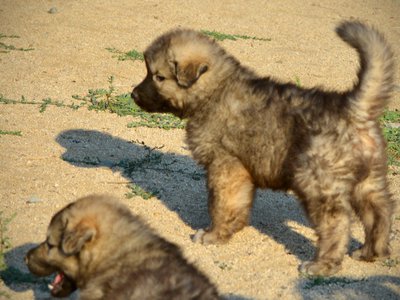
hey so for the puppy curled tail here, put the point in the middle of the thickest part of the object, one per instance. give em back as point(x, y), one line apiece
point(371, 92)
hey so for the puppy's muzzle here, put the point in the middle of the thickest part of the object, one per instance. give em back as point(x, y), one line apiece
point(135, 95)
point(37, 263)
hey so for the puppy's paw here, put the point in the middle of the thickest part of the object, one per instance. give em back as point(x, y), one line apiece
point(361, 255)
point(364, 254)
point(204, 237)
point(311, 268)
point(198, 236)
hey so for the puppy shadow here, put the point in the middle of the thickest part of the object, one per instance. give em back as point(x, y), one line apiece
point(373, 287)
point(174, 179)
point(180, 183)
point(280, 216)
point(17, 278)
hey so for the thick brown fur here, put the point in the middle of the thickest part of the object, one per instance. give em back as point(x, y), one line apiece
point(108, 253)
point(250, 132)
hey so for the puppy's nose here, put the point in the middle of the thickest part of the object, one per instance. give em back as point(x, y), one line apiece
point(26, 259)
point(135, 95)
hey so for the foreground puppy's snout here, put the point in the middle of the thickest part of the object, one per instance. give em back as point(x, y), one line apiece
point(36, 261)
point(135, 95)
point(28, 255)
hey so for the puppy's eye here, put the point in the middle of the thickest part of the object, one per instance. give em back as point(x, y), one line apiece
point(50, 245)
point(158, 78)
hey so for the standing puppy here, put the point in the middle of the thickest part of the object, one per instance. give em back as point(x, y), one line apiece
point(97, 245)
point(249, 132)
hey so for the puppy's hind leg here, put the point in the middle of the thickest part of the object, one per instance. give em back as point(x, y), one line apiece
point(325, 194)
point(331, 216)
point(231, 193)
point(373, 204)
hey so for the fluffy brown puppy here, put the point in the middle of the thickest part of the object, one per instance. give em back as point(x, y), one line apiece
point(97, 245)
point(249, 132)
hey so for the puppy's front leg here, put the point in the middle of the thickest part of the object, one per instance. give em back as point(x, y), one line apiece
point(231, 193)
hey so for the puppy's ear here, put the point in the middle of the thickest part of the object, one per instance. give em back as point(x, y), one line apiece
point(189, 71)
point(74, 239)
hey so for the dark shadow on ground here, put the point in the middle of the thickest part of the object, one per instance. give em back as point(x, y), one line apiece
point(381, 287)
point(180, 183)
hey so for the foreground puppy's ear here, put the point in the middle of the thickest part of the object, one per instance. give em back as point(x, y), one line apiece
point(74, 240)
point(189, 72)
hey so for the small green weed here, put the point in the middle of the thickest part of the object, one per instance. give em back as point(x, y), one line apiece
point(136, 190)
point(5, 242)
point(391, 131)
point(6, 132)
point(101, 99)
point(392, 136)
point(233, 37)
point(391, 262)
point(297, 81)
point(130, 55)
point(2, 36)
point(157, 120)
point(197, 176)
point(150, 160)
point(12, 101)
point(323, 281)
point(4, 48)
point(48, 101)
point(42, 104)
point(223, 265)
point(391, 116)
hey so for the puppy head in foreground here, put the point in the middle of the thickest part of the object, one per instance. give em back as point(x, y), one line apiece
point(96, 245)
point(250, 131)
point(74, 238)
point(59, 253)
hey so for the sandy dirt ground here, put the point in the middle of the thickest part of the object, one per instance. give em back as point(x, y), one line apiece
point(42, 170)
